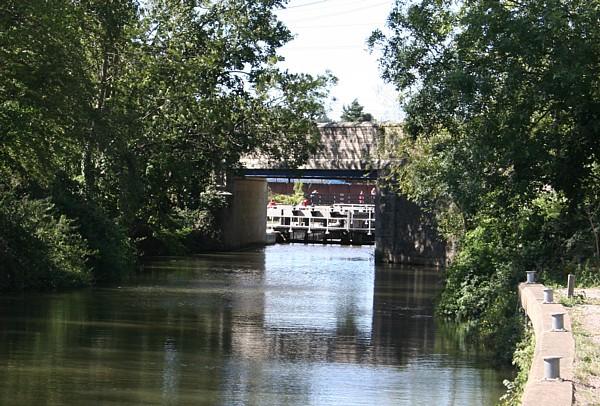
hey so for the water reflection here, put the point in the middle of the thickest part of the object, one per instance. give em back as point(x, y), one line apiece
point(285, 325)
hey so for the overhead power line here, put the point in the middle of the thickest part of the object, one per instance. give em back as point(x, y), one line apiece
point(313, 3)
point(318, 17)
point(307, 4)
point(373, 24)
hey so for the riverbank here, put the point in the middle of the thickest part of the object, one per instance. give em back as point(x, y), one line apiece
point(584, 311)
point(579, 348)
point(551, 341)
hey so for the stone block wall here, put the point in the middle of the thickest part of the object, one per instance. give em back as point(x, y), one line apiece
point(401, 234)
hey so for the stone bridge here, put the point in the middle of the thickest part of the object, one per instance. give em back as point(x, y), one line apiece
point(348, 150)
point(353, 151)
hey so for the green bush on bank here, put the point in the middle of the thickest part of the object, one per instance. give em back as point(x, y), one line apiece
point(522, 358)
point(39, 249)
point(183, 232)
point(111, 255)
point(588, 274)
point(480, 288)
point(494, 255)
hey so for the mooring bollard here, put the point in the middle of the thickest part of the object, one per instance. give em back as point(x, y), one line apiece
point(548, 295)
point(558, 322)
point(551, 368)
point(530, 276)
point(570, 285)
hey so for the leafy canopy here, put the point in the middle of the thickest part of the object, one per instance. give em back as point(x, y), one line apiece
point(354, 113)
point(502, 110)
point(127, 113)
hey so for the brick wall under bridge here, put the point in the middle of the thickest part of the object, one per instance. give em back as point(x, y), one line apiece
point(329, 193)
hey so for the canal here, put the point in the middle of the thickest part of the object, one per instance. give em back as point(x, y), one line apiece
point(284, 325)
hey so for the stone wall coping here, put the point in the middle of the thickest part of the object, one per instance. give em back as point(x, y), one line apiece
point(547, 343)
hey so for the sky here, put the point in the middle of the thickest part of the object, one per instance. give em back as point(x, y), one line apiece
point(331, 35)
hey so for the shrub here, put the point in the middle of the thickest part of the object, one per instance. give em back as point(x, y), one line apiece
point(39, 249)
point(522, 358)
point(294, 199)
point(112, 255)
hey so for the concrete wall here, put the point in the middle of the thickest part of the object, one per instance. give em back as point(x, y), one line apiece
point(402, 236)
point(547, 343)
point(244, 221)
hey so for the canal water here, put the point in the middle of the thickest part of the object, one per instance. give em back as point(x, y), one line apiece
point(283, 325)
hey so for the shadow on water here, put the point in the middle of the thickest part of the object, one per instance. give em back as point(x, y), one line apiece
point(293, 324)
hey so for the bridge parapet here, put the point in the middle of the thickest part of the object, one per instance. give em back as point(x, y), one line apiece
point(345, 146)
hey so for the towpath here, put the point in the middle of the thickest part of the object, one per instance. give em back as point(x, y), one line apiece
point(585, 315)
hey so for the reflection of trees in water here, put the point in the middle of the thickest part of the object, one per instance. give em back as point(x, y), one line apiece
point(401, 320)
point(138, 344)
point(196, 331)
point(403, 326)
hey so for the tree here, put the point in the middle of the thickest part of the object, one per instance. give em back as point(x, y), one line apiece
point(354, 113)
point(513, 93)
point(501, 102)
point(125, 124)
point(206, 90)
point(44, 91)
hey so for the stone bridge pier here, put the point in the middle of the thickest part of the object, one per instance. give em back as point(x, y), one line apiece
point(403, 235)
point(244, 219)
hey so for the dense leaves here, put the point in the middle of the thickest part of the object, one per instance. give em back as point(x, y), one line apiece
point(37, 248)
point(354, 113)
point(503, 124)
point(126, 114)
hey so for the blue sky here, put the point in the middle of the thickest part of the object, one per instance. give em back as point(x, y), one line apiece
point(331, 35)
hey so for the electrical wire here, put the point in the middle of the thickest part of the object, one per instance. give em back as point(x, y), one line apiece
point(330, 3)
point(373, 24)
point(307, 4)
point(318, 17)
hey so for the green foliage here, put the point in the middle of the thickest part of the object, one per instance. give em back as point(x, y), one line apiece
point(294, 199)
point(112, 255)
point(506, 99)
point(481, 286)
point(522, 359)
point(501, 141)
point(588, 275)
point(127, 123)
point(44, 89)
point(39, 249)
point(571, 301)
point(185, 231)
point(354, 113)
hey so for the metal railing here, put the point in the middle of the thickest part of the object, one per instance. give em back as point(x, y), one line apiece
point(340, 198)
point(339, 217)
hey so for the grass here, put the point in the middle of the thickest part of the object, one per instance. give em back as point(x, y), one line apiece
point(587, 351)
point(572, 301)
point(587, 366)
